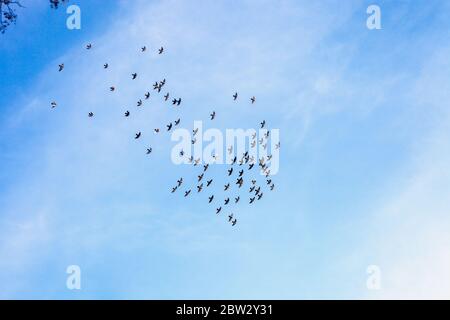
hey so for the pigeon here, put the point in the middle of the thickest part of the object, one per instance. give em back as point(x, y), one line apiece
point(195, 131)
point(230, 149)
point(257, 190)
point(174, 189)
point(89, 46)
point(234, 160)
point(260, 196)
point(105, 66)
point(230, 171)
point(166, 97)
point(177, 122)
point(161, 50)
point(133, 76)
point(210, 199)
point(61, 67)
point(143, 49)
point(253, 181)
point(240, 181)
point(156, 130)
point(112, 89)
point(233, 223)
point(213, 115)
point(180, 181)
point(147, 95)
point(269, 157)
point(235, 96)
point(269, 181)
point(226, 201)
point(253, 99)
point(252, 199)
point(230, 217)
point(209, 182)
point(200, 177)
point(149, 150)
point(218, 210)
point(251, 189)
point(139, 103)
point(53, 104)
point(241, 173)
point(250, 166)
point(176, 101)
point(193, 140)
point(272, 186)
point(186, 193)
point(263, 124)
point(236, 200)
point(181, 153)
point(90, 114)
point(127, 113)
point(205, 167)
point(138, 135)
point(200, 187)
point(226, 187)
point(254, 135)
point(169, 126)
point(155, 85)
point(196, 162)
point(277, 146)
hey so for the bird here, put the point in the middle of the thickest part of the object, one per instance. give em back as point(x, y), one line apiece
point(169, 126)
point(277, 146)
point(226, 201)
point(193, 140)
point(264, 146)
point(241, 173)
point(149, 150)
point(257, 190)
point(127, 113)
point(234, 160)
point(240, 181)
point(269, 181)
point(156, 130)
point(143, 48)
point(235, 96)
point(112, 89)
point(252, 199)
point(200, 187)
point(61, 67)
point(155, 85)
point(139, 103)
point(263, 123)
point(209, 182)
point(210, 198)
point(162, 83)
point(266, 135)
point(250, 166)
point(90, 114)
point(196, 161)
point(230, 171)
point(254, 135)
point(230, 149)
point(260, 196)
point(218, 210)
point(53, 104)
point(253, 181)
point(180, 181)
point(161, 50)
point(186, 193)
point(236, 200)
point(272, 186)
point(195, 131)
point(230, 217)
point(166, 97)
point(213, 115)
point(205, 167)
point(226, 187)
point(177, 122)
point(253, 99)
point(138, 135)
point(176, 101)
point(147, 95)
point(233, 223)
point(89, 46)
point(251, 189)
point(269, 157)
point(200, 177)
point(174, 189)
point(105, 66)
point(133, 76)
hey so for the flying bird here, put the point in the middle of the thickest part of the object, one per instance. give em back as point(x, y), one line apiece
point(233, 223)
point(138, 135)
point(149, 150)
point(177, 122)
point(169, 126)
point(260, 196)
point(166, 97)
point(186, 193)
point(174, 189)
point(218, 210)
point(53, 104)
point(90, 114)
point(226, 187)
point(200, 177)
point(210, 198)
point(127, 113)
point(200, 187)
point(61, 67)
point(161, 50)
point(235, 96)
point(180, 181)
point(236, 200)
point(277, 146)
point(139, 103)
point(263, 124)
point(89, 46)
point(105, 66)
point(176, 101)
point(253, 99)
point(213, 115)
point(230, 217)
point(133, 75)
point(147, 95)
point(230, 171)
point(252, 199)
point(156, 130)
point(112, 89)
point(209, 182)
point(226, 201)
point(143, 48)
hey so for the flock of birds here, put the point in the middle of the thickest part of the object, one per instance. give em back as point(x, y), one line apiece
point(242, 167)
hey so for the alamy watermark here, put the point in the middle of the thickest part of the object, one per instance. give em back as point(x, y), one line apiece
point(212, 146)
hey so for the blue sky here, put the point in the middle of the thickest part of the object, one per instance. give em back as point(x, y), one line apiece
point(364, 125)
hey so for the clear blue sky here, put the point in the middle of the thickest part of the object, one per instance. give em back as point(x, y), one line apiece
point(364, 124)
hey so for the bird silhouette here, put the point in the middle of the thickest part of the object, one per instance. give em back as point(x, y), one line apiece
point(90, 114)
point(169, 126)
point(180, 181)
point(253, 99)
point(200, 177)
point(147, 95)
point(138, 135)
point(53, 104)
point(174, 189)
point(200, 187)
point(205, 167)
point(127, 113)
point(210, 198)
point(186, 193)
point(161, 50)
point(263, 123)
point(105, 66)
point(112, 89)
point(89, 46)
point(139, 103)
point(166, 97)
point(177, 122)
point(230, 171)
point(143, 49)
point(61, 67)
point(149, 150)
point(252, 199)
point(218, 210)
point(233, 223)
point(209, 182)
point(226, 201)
point(213, 115)
point(236, 200)
point(133, 76)
point(235, 96)
point(226, 187)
